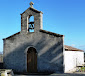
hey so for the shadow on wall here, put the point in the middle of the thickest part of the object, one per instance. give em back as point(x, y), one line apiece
point(1, 61)
point(50, 57)
point(1, 58)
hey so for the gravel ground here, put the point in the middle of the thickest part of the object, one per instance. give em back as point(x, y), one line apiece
point(74, 74)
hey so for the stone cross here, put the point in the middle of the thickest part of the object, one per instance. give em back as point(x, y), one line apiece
point(31, 4)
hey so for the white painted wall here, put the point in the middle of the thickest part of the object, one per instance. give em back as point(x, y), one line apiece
point(73, 59)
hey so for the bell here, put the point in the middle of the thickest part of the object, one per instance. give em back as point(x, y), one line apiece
point(31, 22)
point(31, 28)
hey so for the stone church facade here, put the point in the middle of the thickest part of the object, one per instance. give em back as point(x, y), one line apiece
point(33, 51)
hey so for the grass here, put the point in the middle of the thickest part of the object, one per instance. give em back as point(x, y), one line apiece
point(81, 69)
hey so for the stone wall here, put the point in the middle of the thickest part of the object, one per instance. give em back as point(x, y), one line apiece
point(25, 20)
point(1, 57)
point(49, 49)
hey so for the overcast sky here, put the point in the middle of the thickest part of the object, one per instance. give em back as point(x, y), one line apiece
point(65, 17)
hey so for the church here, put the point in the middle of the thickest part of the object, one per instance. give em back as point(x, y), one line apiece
point(33, 49)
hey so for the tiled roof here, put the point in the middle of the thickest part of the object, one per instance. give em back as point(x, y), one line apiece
point(70, 48)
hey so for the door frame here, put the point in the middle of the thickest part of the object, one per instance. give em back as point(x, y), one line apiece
point(25, 52)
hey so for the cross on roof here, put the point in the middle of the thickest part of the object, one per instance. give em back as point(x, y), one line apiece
point(31, 4)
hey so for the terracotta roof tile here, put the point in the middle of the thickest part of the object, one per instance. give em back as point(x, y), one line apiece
point(70, 48)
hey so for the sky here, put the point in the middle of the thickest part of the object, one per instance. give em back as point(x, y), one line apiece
point(66, 17)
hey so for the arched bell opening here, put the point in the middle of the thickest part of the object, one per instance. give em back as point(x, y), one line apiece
point(31, 60)
point(31, 23)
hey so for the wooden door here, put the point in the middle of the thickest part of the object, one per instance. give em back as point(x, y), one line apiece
point(31, 60)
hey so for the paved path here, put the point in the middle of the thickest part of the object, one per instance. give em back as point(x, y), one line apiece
point(78, 74)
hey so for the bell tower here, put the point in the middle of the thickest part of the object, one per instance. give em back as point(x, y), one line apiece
point(31, 20)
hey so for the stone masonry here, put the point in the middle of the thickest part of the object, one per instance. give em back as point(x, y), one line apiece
point(49, 46)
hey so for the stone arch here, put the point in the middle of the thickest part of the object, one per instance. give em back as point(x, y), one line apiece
point(29, 47)
point(31, 18)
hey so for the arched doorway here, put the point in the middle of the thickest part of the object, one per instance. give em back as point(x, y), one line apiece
point(31, 60)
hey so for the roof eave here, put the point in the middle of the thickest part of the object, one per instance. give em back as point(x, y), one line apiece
point(51, 33)
point(33, 10)
point(11, 36)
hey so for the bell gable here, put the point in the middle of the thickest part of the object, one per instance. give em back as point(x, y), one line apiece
point(26, 24)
